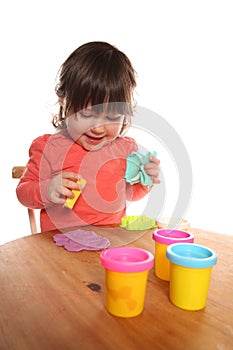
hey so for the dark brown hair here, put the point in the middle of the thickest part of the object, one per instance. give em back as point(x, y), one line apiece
point(96, 73)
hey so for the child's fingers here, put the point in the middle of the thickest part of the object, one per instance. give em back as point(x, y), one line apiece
point(58, 199)
point(153, 172)
point(71, 176)
point(151, 167)
point(154, 159)
point(156, 180)
point(73, 185)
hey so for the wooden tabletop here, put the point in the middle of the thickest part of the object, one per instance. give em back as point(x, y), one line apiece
point(52, 299)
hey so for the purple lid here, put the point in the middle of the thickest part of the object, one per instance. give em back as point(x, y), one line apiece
point(127, 259)
point(169, 236)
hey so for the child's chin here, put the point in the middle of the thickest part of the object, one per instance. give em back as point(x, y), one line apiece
point(93, 148)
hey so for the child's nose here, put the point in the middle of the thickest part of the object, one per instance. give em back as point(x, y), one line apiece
point(98, 129)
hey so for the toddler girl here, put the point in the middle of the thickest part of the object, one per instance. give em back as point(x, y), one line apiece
point(95, 96)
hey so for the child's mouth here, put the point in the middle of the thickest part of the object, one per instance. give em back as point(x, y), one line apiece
point(94, 140)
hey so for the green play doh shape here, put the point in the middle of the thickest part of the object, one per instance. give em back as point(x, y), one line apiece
point(137, 222)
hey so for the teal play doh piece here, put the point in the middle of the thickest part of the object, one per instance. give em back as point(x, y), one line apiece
point(134, 162)
point(137, 222)
point(135, 171)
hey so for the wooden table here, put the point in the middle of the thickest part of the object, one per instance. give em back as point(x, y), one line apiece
point(49, 299)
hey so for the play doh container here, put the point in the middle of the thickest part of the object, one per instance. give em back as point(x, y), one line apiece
point(172, 223)
point(126, 273)
point(191, 266)
point(162, 239)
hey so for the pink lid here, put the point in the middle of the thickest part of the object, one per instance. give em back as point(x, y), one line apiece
point(126, 259)
point(168, 236)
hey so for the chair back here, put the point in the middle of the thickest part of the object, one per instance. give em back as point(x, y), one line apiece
point(17, 172)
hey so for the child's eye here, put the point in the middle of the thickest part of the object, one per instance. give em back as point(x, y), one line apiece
point(111, 118)
point(114, 118)
point(85, 115)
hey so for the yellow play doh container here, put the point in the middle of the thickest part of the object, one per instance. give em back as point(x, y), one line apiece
point(126, 273)
point(173, 223)
point(162, 239)
point(191, 266)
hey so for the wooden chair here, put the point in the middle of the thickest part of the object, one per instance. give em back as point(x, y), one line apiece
point(17, 172)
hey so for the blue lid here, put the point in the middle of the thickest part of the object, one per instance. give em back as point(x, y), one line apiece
point(191, 255)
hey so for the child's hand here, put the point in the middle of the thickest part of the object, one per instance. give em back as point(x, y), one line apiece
point(152, 168)
point(61, 186)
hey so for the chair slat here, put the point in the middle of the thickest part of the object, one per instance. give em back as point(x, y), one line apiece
point(17, 171)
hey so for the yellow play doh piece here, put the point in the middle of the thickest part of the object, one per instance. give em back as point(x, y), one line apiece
point(69, 203)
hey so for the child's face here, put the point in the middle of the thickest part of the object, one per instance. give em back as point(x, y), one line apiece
point(93, 131)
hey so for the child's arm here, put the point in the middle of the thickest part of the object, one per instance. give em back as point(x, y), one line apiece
point(136, 191)
point(31, 188)
point(38, 188)
point(28, 192)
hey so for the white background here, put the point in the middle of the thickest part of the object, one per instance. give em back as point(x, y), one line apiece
point(182, 52)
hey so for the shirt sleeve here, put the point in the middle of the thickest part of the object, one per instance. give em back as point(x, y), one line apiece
point(33, 186)
point(136, 191)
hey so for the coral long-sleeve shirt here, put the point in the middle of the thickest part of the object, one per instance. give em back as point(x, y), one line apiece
point(103, 199)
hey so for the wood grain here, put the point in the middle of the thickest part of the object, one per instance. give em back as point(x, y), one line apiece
point(54, 299)
point(17, 171)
